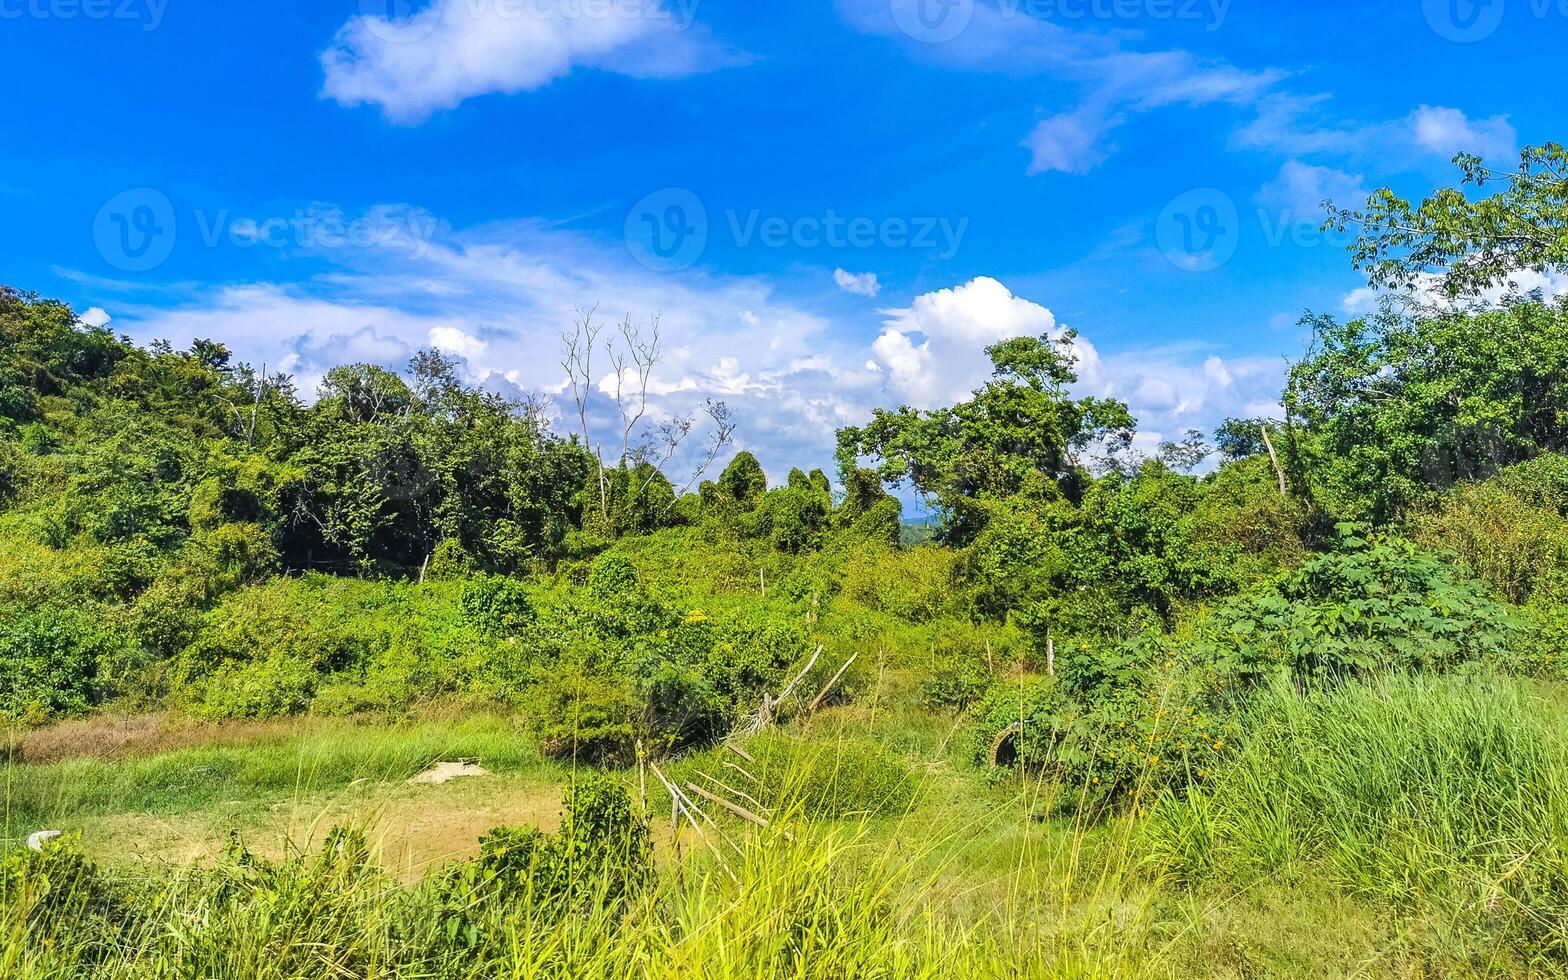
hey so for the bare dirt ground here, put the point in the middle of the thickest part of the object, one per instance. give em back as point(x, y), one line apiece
point(112, 737)
point(411, 827)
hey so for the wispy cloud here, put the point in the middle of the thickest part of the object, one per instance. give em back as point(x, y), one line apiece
point(1112, 81)
point(861, 284)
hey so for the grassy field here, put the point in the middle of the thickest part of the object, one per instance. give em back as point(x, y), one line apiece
point(1408, 828)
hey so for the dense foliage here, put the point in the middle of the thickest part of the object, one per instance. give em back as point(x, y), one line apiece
point(1306, 650)
point(180, 530)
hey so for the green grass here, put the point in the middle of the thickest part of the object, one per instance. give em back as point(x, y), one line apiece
point(1420, 793)
point(1408, 827)
point(316, 760)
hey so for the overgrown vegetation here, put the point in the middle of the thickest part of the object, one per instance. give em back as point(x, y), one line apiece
point(1325, 650)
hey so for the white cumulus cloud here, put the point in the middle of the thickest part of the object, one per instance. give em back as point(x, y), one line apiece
point(1301, 188)
point(454, 50)
point(95, 317)
point(1445, 132)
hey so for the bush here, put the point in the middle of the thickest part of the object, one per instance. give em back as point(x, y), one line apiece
point(917, 585)
point(450, 560)
point(58, 898)
point(613, 577)
point(497, 606)
point(583, 714)
point(1378, 605)
point(955, 686)
point(1157, 713)
point(229, 557)
point(265, 649)
point(1503, 538)
point(49, 662)
point(602, 855)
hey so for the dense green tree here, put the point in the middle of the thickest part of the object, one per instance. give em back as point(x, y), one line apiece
point(1021, 431)
point(743, 483)
point(1468, 245)
point(1389, 408)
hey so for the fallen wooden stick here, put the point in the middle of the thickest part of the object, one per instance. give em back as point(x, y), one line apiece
point(817, 701)
point(684, 807)
point(790, 687)
point(730, 765)
point(734, 808)
point(726, 787)
point(740, 752)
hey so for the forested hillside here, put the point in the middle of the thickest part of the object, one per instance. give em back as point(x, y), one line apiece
point(1326, 644)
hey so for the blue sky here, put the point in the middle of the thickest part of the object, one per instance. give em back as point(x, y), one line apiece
point(832, 205)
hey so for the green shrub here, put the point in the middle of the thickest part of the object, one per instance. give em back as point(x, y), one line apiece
point(917, 585)
point(1504, 539)
point(881, 523)
point(955, 686)
point(38, 440)
point(741, 486)
point(497, 606)
point(450, 560)
point(130, 567)
point(57, 898)
point(791, 519)
point(613, 577)
point(265, 649)
point(11, 480)
point(49, 662)
point(584, 714)
point(229, 557)
point(1375, 606)
point(601, 857)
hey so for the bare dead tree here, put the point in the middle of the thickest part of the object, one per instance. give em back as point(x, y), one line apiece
point(643, 352)
point(577, 359)
point(633, 355)
point(662, 447)
point(719, 438)
point(246, 426)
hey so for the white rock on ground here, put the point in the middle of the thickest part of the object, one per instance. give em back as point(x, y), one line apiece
point(443, 772)
point(37, 840)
